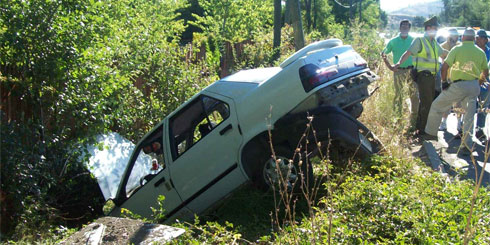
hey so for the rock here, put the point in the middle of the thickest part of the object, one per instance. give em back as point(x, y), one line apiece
point(434, 158)
point(113, 230)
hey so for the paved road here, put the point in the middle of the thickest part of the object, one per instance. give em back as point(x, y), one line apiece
point(447, 147)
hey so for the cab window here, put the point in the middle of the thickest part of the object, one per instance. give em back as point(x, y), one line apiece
point(195, 122)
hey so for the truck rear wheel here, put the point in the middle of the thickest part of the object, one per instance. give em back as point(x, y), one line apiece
point(283, 173)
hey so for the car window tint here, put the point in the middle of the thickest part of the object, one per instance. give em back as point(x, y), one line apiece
point(195, 121)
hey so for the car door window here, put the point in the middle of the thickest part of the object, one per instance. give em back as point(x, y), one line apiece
point(148, 161)
point(195, 121)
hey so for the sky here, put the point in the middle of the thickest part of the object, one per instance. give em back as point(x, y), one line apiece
point(390, 5)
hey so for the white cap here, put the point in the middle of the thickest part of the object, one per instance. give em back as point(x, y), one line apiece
point(469, 32)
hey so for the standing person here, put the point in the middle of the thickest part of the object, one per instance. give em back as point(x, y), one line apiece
point(452, 40)
point(481, 42)
point(399, 45)
point(467, 63)
point(483, 98)
point(449, 44)
point(425, 52)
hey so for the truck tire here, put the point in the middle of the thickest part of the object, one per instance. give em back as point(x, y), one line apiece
point(291, 177)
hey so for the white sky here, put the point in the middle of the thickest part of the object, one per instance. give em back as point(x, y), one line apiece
point(390, 5)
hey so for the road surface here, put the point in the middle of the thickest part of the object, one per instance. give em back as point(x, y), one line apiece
point(447, 149)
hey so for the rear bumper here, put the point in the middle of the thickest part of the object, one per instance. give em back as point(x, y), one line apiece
point(330, 123)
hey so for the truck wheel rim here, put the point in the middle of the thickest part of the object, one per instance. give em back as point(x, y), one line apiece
point(280, 169)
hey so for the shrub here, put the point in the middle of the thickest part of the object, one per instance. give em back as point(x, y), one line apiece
point(389, 203)
point(72, 71)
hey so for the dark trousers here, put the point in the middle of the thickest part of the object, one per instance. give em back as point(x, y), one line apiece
point(426, 86)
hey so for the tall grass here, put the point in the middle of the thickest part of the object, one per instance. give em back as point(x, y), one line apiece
point(380, 117)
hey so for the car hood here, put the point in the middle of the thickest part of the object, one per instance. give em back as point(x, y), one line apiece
point(107, 161)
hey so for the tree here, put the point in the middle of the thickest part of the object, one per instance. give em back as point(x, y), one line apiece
point(277, 29)
point(287, 12)
point(324, 19)
point(235, 20)
point(308, 15)
point(466, 13)
point(418, 21)
point(299, 40)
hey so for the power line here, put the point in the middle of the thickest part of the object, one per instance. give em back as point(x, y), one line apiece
point(337, 2)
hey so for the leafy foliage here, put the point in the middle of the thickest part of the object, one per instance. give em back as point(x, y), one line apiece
point(371, 12)
point(386, 202)
point(78, 69)
point(235, 21)
point(466, 13)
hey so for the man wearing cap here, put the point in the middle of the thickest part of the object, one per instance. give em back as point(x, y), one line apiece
point(450, 43)
point(398, 45)
point(425, 52)
point(467, 63)
point(481, 42)
point(483, 98)
point(452, 40)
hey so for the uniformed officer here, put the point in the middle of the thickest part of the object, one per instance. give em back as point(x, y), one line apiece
point(467, 63)
point(425, 52)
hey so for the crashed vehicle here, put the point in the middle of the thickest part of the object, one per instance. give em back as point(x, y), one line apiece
point(218, 140)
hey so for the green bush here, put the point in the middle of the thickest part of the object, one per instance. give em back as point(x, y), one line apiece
point(387, 201)
point(76, 70)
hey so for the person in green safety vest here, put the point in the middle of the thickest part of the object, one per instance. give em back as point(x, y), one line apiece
point(425, 52)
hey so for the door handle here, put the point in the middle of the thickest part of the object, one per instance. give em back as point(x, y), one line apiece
point(159, 182)
point(226, 129)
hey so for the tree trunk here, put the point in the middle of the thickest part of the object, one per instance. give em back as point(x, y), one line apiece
point(299, 40)
point(360, 10)
point(287, 12)
point(308, 15)
point(314, 13)
point(276, 44)
point(351, 11)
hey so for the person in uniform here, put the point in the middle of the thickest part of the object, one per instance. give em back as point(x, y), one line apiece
point(467, 63)
point(399, 45)
point(425, 52)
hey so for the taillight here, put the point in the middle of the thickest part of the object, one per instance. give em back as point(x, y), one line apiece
point(360, 64)
point(323, 74)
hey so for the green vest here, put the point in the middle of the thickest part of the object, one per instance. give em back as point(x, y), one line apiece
point(426, 59)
